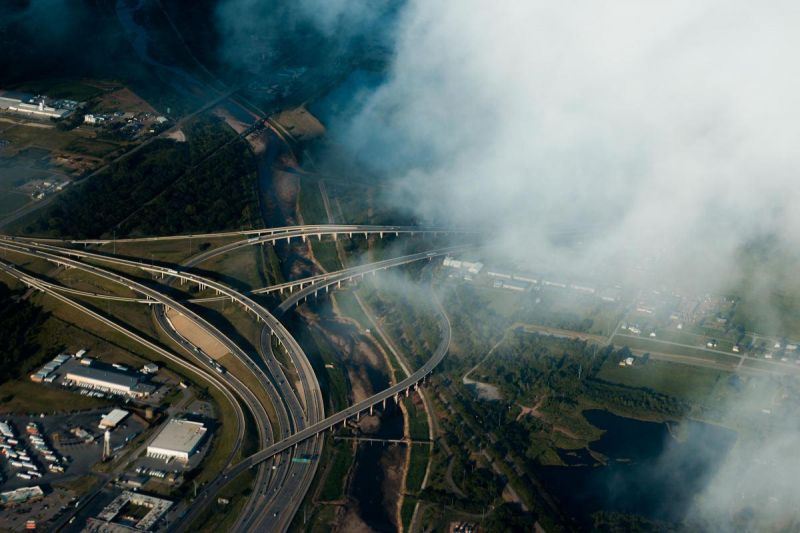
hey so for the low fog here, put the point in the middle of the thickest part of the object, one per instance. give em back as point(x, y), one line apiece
point(663, 131)
point(661, 135)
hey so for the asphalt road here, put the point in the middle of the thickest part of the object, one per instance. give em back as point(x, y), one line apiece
point(307, 438)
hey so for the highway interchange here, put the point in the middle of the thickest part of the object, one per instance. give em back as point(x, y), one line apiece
point(301, 421)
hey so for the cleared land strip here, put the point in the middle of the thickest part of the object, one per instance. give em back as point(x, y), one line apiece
point(192, 332)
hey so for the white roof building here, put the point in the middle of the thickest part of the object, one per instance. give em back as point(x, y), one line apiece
point(108, 380)
point(110, 420)
point(150, 368)
point(179, 439)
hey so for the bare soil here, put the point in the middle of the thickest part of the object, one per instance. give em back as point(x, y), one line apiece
point(196, 335)
point(300, 123)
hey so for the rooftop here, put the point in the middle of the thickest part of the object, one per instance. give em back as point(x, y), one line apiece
point(179, 436)
point(109, 376)
point(113, 418)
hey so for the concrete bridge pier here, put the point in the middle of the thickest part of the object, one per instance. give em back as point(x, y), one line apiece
point(407, 392)
point(384, 403)
point(370, 410)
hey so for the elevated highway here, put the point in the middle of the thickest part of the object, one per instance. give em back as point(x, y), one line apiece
point(309, 385)
point(281, 232)
point(355, 411)
point(308, 435)
point(260, 415)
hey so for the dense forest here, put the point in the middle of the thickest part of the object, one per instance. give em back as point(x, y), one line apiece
point(205, 184)
point(19, 324)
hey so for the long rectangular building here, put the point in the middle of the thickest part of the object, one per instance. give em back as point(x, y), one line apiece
point(108, 381)
point(179, 439)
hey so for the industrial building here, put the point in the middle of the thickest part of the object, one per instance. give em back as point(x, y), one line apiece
point(37, 106)
point(110, 420)
point(150, 368)
point(178, 440)
point(114, 513)
point(21, 495)
point(107, 380)
point(470, 267)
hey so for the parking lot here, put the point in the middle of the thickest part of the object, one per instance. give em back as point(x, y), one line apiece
point(76, 440)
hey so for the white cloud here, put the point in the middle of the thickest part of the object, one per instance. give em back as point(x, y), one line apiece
point(671, 126)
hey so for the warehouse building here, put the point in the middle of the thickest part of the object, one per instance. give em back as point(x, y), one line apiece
point(178, 440)
point(112, 419)
point(116, 516)
point(37, 106)
point(107, 380)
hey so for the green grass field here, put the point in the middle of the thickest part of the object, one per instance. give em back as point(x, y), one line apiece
point(348, 305)
point(416, 468)
point(24, 396)
point(238, 369)
point(682, 381)
point(341, 460)
point(170, 251)
point(503, 302)
point(310, 203)
point(10, 201)
point(240, 268)
point(646, 344)
point(325, 252)
point(62, 88)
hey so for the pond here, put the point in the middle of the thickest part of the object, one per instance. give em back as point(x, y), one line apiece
point(648, 471)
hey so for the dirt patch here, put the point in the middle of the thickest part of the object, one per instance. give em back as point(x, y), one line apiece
point(485, 391)
point(236, 125)
point(176, 135)
point(359, 384)
point(196, 335)
point(301, 124)
point(369, 424)
point(287, 186)
point(352, 523)
point(393, 463)
point(126, 101)
point(534, 412)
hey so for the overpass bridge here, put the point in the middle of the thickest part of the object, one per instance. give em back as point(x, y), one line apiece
point(267, 234)
point(393, 393)
point(379, 440)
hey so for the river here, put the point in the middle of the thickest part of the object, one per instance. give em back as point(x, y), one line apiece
point(648, 472)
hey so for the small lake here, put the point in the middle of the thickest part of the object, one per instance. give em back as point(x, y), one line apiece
point(649, 472)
